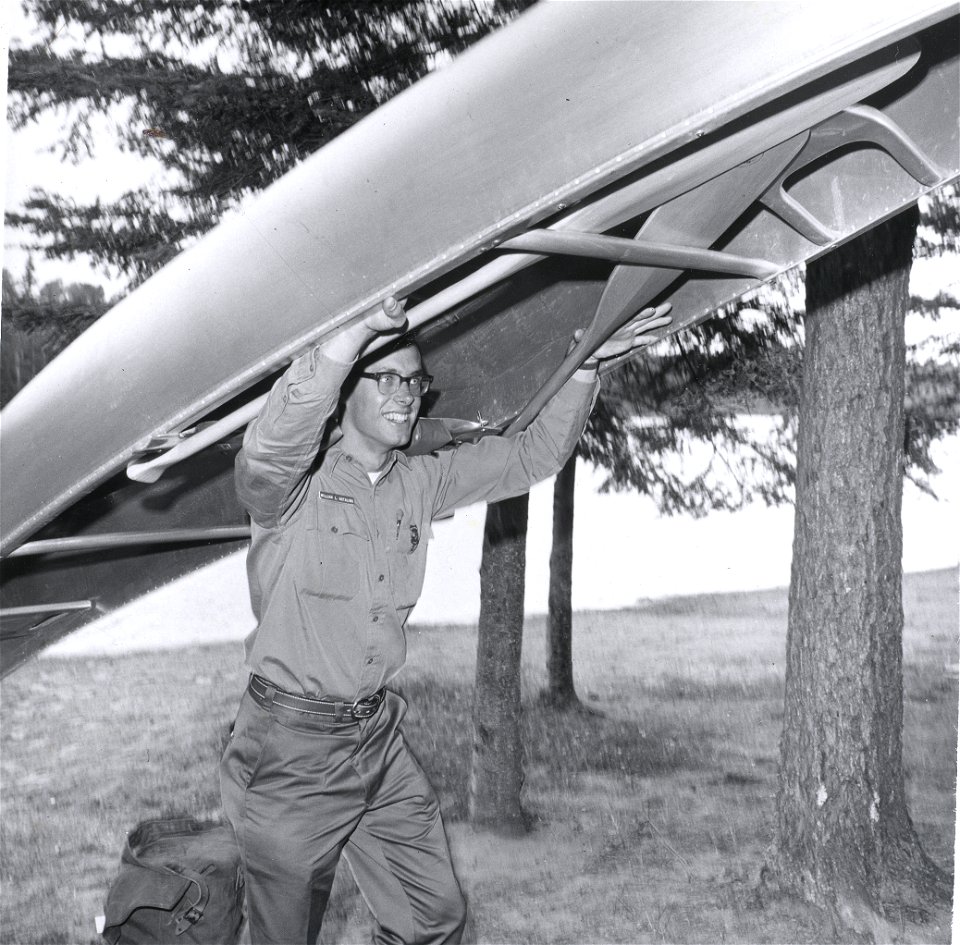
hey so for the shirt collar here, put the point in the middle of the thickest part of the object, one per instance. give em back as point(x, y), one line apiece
point(336, 454)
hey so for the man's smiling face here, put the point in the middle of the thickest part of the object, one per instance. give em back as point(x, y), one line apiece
point(373, 422)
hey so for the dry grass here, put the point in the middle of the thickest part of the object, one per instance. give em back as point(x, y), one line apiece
point(650, 822)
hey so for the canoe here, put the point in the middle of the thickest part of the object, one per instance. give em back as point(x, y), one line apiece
point(586, 161)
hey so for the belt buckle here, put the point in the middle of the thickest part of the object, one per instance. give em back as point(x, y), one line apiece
point(365, 708)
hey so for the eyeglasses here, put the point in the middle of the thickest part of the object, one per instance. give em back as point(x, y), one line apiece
point(388, 382)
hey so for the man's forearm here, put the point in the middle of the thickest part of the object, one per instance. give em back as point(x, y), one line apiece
point(498, 467)
point(281, 443)
point(347, 345)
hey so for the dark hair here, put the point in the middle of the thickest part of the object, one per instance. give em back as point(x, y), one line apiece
point(397, 344)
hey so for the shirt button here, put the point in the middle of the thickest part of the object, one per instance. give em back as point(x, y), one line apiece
point(369, 661)
point(375, 619)
point(334, 529)
point(380, 578)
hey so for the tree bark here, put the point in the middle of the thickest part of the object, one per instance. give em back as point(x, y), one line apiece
point(845, 839)
point(560, 689)
point(496, 775)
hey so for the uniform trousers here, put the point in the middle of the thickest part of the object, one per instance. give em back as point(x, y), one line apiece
point(301, 789)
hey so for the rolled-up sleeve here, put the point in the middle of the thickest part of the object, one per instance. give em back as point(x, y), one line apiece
point(281, 444)
point(500, 467)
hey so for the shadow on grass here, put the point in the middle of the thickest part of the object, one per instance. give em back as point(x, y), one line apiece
point(564, 745)
point(681, 688)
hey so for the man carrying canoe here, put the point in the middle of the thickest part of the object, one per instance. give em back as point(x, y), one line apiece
point(317, 766)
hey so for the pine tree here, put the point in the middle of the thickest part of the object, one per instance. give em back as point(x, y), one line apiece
point(845, 840)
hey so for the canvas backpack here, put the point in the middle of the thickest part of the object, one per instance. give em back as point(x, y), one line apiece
point(180, 881)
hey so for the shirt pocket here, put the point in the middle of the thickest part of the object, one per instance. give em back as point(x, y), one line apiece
point(408, 562)
point(344, 549)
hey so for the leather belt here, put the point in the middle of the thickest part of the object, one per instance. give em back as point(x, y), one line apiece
point(267, 694)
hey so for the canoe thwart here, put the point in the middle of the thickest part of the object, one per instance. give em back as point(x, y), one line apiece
point(857, 125)
point(639, 252)
point(87, 543)
point(41, 610)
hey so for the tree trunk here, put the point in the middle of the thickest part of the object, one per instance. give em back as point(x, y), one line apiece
point(560, 689)
point(496, 775)
point(845, 839)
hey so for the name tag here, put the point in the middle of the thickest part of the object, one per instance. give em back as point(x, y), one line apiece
point(335, 497)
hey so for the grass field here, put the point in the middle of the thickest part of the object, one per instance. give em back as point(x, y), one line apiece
point(650, 821)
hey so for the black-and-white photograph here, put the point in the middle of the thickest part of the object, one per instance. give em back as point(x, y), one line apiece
point(480, 471)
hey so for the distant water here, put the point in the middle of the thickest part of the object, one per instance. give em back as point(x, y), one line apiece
point(623, 552)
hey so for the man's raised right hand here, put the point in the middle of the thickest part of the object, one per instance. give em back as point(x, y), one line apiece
point(387, 317)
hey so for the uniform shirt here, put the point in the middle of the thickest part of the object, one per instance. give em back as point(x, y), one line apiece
point(336, 562)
